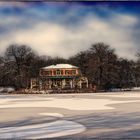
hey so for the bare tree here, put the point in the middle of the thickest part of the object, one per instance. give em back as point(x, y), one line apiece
point(137, 70)
point(22, 56)
point(102, 64)
point(80, 60)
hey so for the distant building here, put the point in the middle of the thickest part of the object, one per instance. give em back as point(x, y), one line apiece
point(60, 76)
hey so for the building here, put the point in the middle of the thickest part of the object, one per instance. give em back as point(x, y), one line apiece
point(60, 76)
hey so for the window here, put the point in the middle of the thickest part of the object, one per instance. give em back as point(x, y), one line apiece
point(73, 72)
point(67, 72)
point(58, 72)
point(48, 73)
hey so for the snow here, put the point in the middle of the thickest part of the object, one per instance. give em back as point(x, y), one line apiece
point(6, 89)
point(59, 66)
point(59, 127)
point(45, 130)
point(52, 114)
point(69, 103)
point(136, 88)
point(1, 89)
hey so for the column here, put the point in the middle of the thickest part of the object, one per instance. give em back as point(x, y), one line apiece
point(87, 83)
point(71, 84)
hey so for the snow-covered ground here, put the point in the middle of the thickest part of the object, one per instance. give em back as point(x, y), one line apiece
point(66, 103)
point(45, 130)
point(61, 126)
point(6, 89)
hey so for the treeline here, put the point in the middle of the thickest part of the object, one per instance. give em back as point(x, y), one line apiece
point(99, 63)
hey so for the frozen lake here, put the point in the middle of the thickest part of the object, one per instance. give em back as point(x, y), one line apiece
point(111, 115)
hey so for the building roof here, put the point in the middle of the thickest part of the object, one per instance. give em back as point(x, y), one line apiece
point(59, 66)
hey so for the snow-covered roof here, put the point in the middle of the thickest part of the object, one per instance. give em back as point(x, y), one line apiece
point(59, 66)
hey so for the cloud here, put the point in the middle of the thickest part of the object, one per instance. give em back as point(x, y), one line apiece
point(50, 37)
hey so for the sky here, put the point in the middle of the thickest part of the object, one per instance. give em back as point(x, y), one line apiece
point(65, 28)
